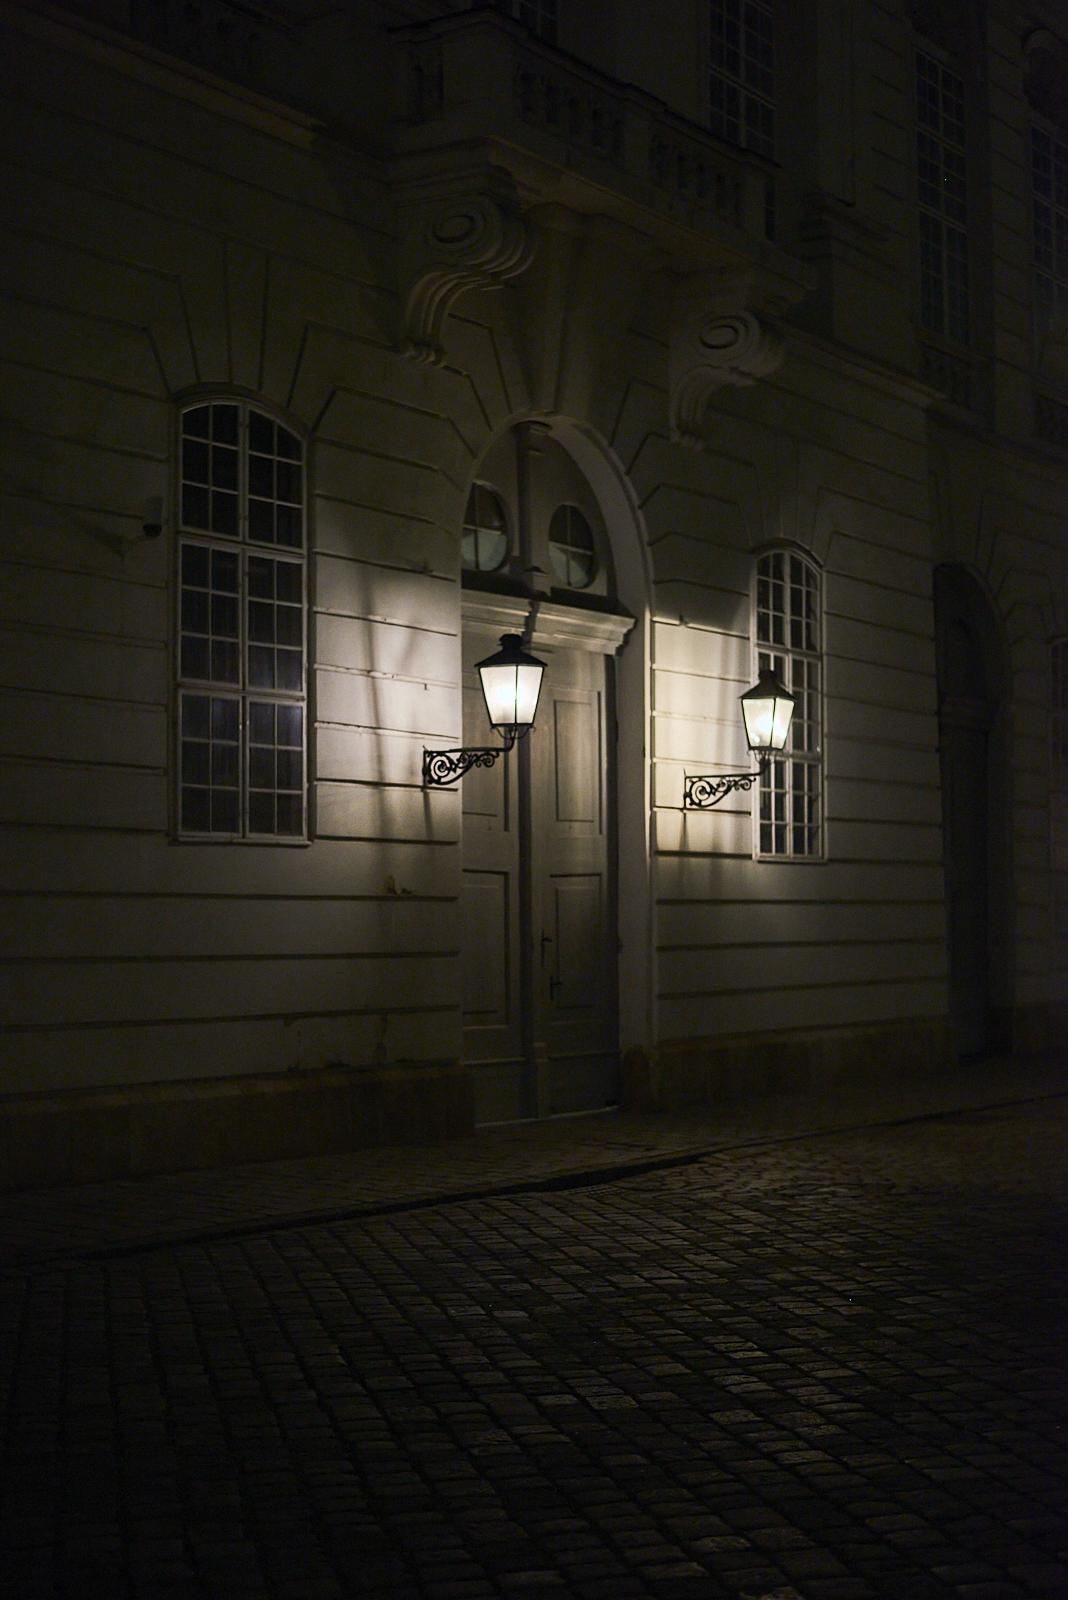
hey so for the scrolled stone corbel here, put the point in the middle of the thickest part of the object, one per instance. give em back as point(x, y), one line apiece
point(469, 241)
point(710, 350)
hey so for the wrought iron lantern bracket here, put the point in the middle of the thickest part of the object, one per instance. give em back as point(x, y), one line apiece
point(442, 767)
point(702, 793)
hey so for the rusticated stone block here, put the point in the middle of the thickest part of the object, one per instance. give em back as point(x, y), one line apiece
point(87, 1136)
point(814, 1064)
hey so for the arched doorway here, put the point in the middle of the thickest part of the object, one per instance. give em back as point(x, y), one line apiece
point(973, 805)
point(540, 838)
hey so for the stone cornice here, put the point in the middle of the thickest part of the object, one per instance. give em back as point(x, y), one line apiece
point(565, 627)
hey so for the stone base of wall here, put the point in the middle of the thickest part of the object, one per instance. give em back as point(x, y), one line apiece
point(1040, 1028)
point(84, 1136)
point(815, 1064)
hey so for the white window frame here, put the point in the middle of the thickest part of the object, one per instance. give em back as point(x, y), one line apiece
point(251, 700)
point(796, 782)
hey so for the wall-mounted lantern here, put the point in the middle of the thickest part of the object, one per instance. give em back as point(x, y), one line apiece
point(767, 711)
point(511, 684)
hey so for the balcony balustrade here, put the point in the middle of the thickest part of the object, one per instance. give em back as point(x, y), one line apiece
point(479, 76)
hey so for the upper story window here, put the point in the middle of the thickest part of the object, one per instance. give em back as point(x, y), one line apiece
point(537, 15)
point(1049, 183)
point(741, 82)
point(788, 640)
point(241, 625)
point(941, 186)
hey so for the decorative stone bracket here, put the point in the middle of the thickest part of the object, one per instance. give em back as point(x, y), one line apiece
point(474, 240)
point(713, 347)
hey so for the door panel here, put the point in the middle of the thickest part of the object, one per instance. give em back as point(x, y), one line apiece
point(575, 1021)
point(577, 756)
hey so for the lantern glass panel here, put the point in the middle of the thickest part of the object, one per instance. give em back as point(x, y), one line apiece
point(767, 710)
point(511, 684)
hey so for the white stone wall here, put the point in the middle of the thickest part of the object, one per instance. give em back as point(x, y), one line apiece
point(167, 237)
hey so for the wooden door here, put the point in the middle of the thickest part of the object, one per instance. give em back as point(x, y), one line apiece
point(491, 898)
point(539, 914)
point(573, 903)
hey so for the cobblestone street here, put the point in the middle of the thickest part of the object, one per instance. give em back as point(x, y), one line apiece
point(831, 1367)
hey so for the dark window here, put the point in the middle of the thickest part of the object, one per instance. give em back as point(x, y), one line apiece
point(241, 625)
point(1049, 182)
point(741, 82)
point(942, 191)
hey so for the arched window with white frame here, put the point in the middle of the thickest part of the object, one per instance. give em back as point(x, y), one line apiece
point(242, 625)
point(788, 639)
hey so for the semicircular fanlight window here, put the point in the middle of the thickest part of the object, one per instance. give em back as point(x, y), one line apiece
point(484, 545)
point(571, 548)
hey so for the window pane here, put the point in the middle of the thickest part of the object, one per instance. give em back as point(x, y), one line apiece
point(209, 616)
point(260, 433)
point(209, 756)
point(196, 461)
point(484, 543)
point(224, 513)
point(196, 424)
point(196, 507)
point(275, 768)
point(260, 477)
point(261, 521)
point(224, 423)
point(260, 667)
point(276, 479)
point(571, 548)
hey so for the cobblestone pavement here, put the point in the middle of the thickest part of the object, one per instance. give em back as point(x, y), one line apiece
point(831, 1368)
point(106, 1217)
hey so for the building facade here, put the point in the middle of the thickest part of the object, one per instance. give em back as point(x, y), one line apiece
point(682, 341)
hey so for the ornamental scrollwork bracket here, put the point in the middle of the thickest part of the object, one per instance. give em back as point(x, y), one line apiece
point(442, 767)
point(715, 345)
point(474, 240)
point(703, 792)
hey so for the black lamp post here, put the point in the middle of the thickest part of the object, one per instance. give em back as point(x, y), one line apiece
point(511, 684)
point(767, 711)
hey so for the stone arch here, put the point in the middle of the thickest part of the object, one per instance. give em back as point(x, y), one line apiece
point(621, 524)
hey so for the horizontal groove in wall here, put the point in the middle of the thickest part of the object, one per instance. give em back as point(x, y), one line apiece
point(236, 1020)
point(229, 958)
point(857, 984)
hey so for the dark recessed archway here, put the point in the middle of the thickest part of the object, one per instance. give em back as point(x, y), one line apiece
point(974, 778)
